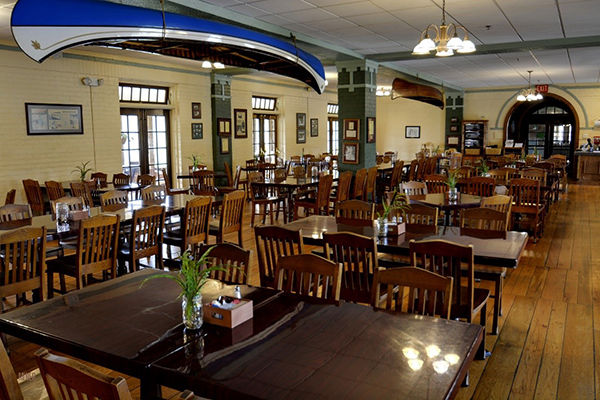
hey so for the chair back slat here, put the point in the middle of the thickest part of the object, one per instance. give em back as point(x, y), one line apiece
point(273, 242)
point(421, 219)
point(483, 223)
point(233, 259)
point(355, 213)
point(113, 200)
point(481, 186)
point(308, 275)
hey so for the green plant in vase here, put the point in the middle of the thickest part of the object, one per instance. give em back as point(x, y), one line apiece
point(195, 159)
point(451, 182)
point(483, 168)
point(393, 201)
point(192, 277)
point(82, 170)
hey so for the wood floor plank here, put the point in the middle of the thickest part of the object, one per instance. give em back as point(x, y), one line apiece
point(538, 280)
point(571, 286)
point(577, 360)
point(529, 365)
point(555, 284)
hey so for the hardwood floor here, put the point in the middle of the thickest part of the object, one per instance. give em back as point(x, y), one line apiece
point(546, 346)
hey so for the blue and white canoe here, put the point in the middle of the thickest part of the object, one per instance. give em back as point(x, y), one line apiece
point(44, 27)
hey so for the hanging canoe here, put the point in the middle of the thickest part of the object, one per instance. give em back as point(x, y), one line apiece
point(415, 91)
point(44, 27)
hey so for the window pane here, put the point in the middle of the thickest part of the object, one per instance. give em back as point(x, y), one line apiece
point(153, 95)
point(162, 96)
point(135, 94)
point(145, 95)
point(126, 93)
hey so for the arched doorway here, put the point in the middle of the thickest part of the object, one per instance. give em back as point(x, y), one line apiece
point(546, 127)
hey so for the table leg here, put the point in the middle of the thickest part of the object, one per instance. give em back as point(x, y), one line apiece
point(149, 390)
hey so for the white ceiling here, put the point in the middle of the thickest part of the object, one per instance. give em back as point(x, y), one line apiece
point(558, 39)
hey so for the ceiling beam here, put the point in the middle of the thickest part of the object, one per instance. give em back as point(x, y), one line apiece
point(500, 48)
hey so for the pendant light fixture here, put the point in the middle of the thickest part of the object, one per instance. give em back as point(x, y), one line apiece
point(529, 94)
point(446, 39)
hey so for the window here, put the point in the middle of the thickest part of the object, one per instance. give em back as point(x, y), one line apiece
point(332, 109)
point(550, 110)
point(333, 136)
point(143, 94)
point(264, 136)
point(263, 103)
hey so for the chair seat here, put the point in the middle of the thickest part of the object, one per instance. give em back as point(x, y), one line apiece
point(64, 265)
point(175, 235)
point(179, 191)
point(480, 298)
point(392, 260)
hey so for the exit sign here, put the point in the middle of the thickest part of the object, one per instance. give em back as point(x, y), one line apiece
point(541, 88)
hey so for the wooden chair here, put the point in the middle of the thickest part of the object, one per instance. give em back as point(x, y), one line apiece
point(146, 180)
point(235, 182)
point(121, 179)
point(464, 172)
point(33, 193)
point(359, 184)
point(310, 276)
point(97, 245)
point(235, 260)
point(447, 259)
point(436, 183)
point(358, 255)
point(527, 205)
point(412, 171)
point(145, 238)
point(420, 169)
point(80, 189)
point(487, 223)
point(370, 187)
point(67, 379)
point(481, 186)
point(22, 264)
point(500, 203)
point(194, 225)
point(15, 216)
point(273, 242)
point(113, 200)
point(230, 220)
point(342, 193)
point(455, 160)
point(264, 198)
point(54, 190)
point(421, 219)
point(10, 197)
point(153, 192)
point(169, 186)
point(298, 171)
point(100, 178)
point(74, 204)
point(511, 173)
point(541, 175)
point(497, 174)
point(414, 188)
point(431, 167)
point(319, 202)
point(396, 177)
point(428, 293)
point(9, 385)
point(355, 213)
point(203, 183)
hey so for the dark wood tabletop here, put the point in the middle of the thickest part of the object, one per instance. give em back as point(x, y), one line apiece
point(494, 252)
point(296, 349)
point(119, 324)
point(441, 201)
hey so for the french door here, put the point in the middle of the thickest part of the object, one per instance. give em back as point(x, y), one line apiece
point(145, 142)
point(548, 138)
point(333, 136)
point(264, 136)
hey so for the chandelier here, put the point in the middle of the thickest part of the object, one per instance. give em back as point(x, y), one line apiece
point(529, 94)
point(446, 39)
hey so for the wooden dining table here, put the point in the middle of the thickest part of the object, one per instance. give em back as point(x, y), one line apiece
point(442, 202)
point(291, 347)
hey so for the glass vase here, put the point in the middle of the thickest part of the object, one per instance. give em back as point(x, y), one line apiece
point(382, 227)
point(192, 312)
point(453, 194)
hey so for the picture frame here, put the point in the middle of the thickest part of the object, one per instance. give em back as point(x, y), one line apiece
point(224, 126)
point(301, 135)
point(412, 132)
point(454, 120)
point(225, 145)
point(197, 132)
point(351, 129)
point(371, 130)
point(300, 120)
point(54, 119)
point(196, 111)
point(453, 128)
point(314, 127)
point(453, 140)
point(350, 153)
point(241, 123)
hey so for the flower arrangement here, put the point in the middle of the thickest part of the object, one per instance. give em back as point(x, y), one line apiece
point(397, 201)
point(452, 179)
point(195, 159)
point(483, 168)
point(82, 170)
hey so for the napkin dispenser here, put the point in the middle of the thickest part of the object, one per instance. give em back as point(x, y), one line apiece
point(78, 215)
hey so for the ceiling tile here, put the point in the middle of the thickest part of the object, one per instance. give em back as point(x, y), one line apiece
point(279, 7)
point(314, 14)
point(364, 7)
point(248, 10)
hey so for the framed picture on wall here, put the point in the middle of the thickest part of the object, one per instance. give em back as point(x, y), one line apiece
point(224, 145)
point(301, 135)
point(196, 111)
point(241, 123)
point(454, 120)
point(224, 126)
point(197, 131)
point(351, 129)
point(301, 120)
point(453, 128)
point(370, 130)
point(453, 140)
point(412, 132)
point(350, 153)
point(314, 127)
point(53, 119)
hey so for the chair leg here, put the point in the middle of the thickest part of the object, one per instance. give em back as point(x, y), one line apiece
point(253, 214)
point(497, 304)
point(482, 353)
point(50, 284)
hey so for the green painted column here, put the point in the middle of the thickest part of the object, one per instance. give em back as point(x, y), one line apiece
point(221, 114)
point(357, 84)
point(454, 116)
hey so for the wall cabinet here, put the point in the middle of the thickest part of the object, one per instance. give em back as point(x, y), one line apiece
point(473, 139)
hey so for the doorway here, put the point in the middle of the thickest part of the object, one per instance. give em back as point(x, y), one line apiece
point(264, 137)
point(546, 128)
point(145, 142)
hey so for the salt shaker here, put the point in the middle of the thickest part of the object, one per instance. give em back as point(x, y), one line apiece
point(237, 292)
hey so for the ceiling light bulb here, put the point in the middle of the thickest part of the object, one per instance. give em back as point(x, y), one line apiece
point(206, 64)
point(427, 43)
point(539, 96)
point(468, 46)
point(218, 65)
point(455, 43)
point(520, 97)
point(444, 52)
point(420, 50)
point(531, 97)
